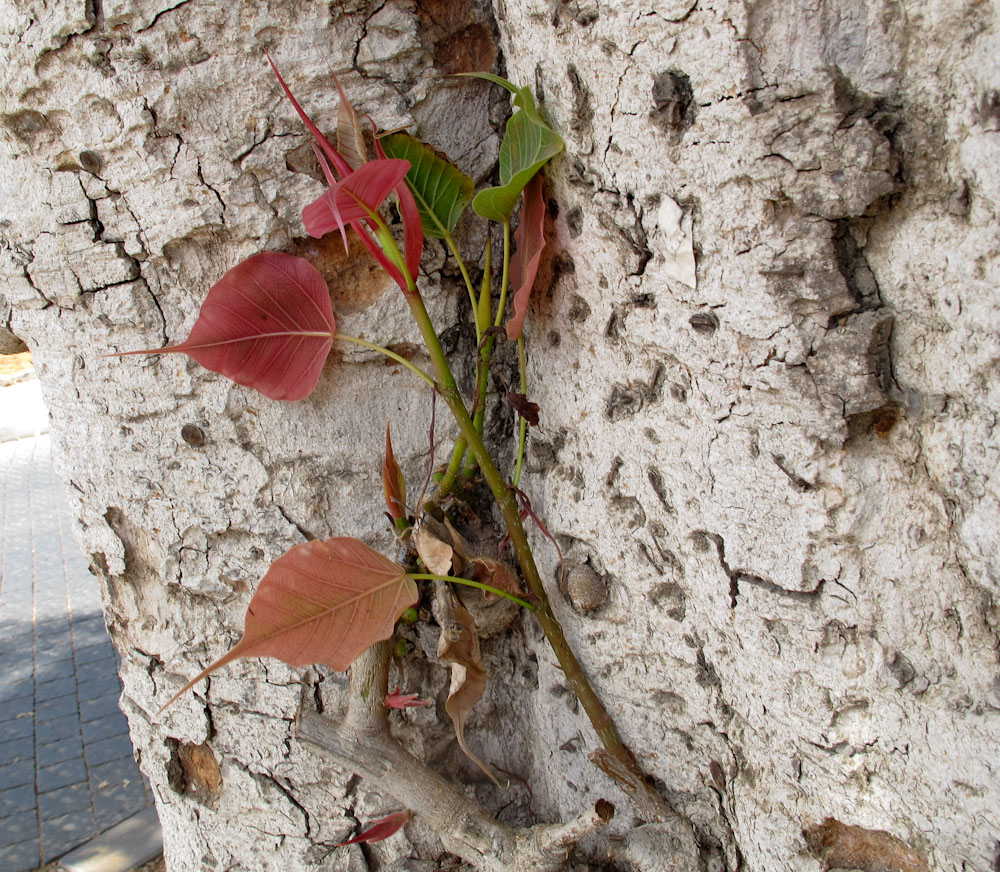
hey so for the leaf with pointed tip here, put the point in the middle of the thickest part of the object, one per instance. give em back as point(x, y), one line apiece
point(530, 240)
point(266, 324)
point(393, 482)
point(338, 161)
point(528, 144)
point(442, 191)
point(459, 646)
point(380, 829)
point(322, 602)
point(353, 197)
point(350, 139)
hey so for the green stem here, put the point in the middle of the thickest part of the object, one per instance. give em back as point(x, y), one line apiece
point(430, 576)
point(468, 284)
point(523, 428)
point(592, 705)
point(486, 354)
point(412, 367)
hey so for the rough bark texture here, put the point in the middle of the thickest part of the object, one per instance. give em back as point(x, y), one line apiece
point(766, 351)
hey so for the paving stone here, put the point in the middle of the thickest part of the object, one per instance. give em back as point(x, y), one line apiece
point(57, 752)
point(21, 707)
point(93, 671)
point(14, 689)
point(63, 800)
point(99, 651)
point(20, 857)
point(60, 707)
point(62, 834)
point(17, 728)
point(18, 773)
point(18, 749)
point(17, 799)
point(106, 750)
point(21, 827)
point(129, 844)
point(118, 801)
point(99, 687)
point(104, 728)
point(117, 772)
point(94, 709)
point(55, 689)
point(61, 728)
point(61, 774)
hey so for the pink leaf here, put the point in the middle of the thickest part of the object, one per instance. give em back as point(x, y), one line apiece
point(353, 197)
point(399, 700)
point(381, 829)
point(266, 324)
point(530, 240)
point(322, 602)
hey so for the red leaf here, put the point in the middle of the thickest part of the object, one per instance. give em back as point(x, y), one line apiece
point(530, 240)
point(266, 324)
point(353, 197)
point(381, 829)
point(322, 602)
point(399, 700)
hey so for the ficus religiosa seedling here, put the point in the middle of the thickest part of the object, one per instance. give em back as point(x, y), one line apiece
point(268, 324)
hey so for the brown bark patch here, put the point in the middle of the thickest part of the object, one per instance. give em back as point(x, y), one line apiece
point(839, 845)
point(355, 278)
point(193, 770)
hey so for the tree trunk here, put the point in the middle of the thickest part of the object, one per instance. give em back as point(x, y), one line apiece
point(764, 344)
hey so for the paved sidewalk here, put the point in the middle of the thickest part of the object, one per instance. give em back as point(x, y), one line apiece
point(66, 766)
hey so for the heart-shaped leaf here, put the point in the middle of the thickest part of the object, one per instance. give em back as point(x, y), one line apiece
point(266, 324)
point(442, 191)
point(322, 602)
point(530, 240)
point(354, 197)
point(528, 144)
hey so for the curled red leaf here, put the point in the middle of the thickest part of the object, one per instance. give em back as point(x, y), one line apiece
point(266, 324)
point(530, 240)
point(399, 700)
point(381, 829)
point(353, 197)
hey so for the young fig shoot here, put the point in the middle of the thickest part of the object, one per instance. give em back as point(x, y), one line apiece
point(321, 602)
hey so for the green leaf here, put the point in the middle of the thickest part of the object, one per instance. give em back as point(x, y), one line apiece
point(441, 190)
point(528, 144)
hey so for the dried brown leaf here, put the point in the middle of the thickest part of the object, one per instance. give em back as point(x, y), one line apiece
point(459, 646)
point(437, 555)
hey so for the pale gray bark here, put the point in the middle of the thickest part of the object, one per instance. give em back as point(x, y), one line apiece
point(765, 346)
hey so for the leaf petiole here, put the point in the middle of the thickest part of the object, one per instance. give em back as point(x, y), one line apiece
point(392, 355)
point(468, 582)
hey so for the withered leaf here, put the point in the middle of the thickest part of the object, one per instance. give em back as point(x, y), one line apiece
point(437, 555)
point(496, 574)
point(459, 646)
point(524, 407)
